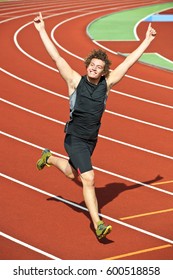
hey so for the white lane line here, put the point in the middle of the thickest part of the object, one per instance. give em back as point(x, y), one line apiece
point(136, 147)
point(25, 8)
point(132, 77)
point(72, 54)
point(18, 8)
point(48, 11)
point(24, 244)
point(143, 99)
point(85, 209)
point(33, 85)
point(115, 91)
point(101, 136)
point(95, 167)
point(107, 111)
point(31, 111)
point(55, 6)
point(65, 97)
point(140, 121)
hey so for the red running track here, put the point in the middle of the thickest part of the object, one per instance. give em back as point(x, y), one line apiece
point(43, 215)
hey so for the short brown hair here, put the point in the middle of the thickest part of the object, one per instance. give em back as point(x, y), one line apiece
point(99, 54)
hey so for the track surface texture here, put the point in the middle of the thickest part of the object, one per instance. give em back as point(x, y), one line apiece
point(43, 215)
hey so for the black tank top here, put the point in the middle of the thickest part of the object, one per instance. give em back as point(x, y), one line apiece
point(87, 105)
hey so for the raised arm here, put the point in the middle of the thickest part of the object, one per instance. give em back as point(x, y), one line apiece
point(68, 74)
point(117, 74)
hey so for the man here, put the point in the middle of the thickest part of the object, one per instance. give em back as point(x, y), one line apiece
point(88, 96)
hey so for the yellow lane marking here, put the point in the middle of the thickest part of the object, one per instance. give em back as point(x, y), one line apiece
point(139, 252)
point(162, 183)
point(147, 214)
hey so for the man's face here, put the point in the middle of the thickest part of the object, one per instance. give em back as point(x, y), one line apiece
point(96, 68)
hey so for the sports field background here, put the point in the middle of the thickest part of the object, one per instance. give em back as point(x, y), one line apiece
point(104, 29)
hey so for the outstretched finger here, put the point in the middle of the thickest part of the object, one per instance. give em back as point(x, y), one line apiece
point(40, 15)
point(38, 18)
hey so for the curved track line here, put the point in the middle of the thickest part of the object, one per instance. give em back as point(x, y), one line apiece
point(142, 19)
point(51, 119)
point(65, 97)
point(57, 94)
point(32, 112)
point(136, 147)
point(60, 6)
point(107, 111)
point(143, 99)
point(26, 10)
point(95, 167)
point(16, 42)
point(140, 121)
point(32, 84)
point(152, 83)
point(99, 135)
point(45, 11)
point(65, 50)
point(29, 246)
point(134, 31)
point(85, 209)
point(167, 59)
point(28, 55)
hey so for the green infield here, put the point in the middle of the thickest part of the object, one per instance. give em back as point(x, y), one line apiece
point(121, 26)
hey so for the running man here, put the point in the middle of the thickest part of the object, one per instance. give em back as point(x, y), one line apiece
point(88, 95)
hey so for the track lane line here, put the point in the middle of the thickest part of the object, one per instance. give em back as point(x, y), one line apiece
point(61, 6)
point(106, 111)
point(65, 97)
point(85, 209)
point(142, 99)
point(163, 183)
point(35, 6)
point(54, 69)
point(32, 84)
point(95, 167)
point(147, 214)
point(31, 111)
point(132, 77)
point(139, 252)
point(99, 135)
point(139, 121)
point(24, 244)
point(72, 54)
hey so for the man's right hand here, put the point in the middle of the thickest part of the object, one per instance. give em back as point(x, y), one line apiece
point(38, 22)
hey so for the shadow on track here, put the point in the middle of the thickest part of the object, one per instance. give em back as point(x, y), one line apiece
point(104, 195)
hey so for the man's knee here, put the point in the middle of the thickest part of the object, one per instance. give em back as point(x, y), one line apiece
point(87, 178)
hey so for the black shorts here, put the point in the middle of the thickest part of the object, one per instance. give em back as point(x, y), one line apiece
point(79, 151)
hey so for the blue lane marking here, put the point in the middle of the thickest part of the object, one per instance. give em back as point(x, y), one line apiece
point(160, 18)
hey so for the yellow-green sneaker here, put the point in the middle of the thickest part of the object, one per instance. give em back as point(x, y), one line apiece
point(43, 160)
point(102, 229)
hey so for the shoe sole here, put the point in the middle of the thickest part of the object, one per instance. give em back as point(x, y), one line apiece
point(39, 167)
point(107, 231)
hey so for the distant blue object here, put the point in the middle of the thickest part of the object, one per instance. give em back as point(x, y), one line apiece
point(160, 18)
